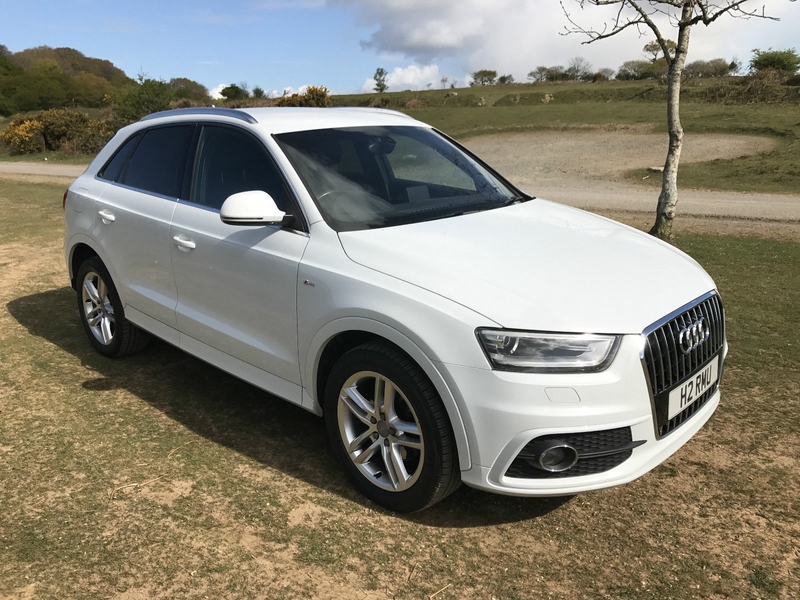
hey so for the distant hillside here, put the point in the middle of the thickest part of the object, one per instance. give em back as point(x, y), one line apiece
point(71, 62)
point(44, 77)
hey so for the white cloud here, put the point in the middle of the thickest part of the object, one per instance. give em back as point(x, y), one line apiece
point(413, 77)
point(287, 91)
point(215, 91)
point(515, 36)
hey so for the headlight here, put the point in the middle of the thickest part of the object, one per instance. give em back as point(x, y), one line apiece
point(532, 352)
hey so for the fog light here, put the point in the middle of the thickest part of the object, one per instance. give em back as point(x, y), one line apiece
point(554, 456)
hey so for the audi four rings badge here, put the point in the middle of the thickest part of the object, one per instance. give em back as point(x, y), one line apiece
point(693, 335)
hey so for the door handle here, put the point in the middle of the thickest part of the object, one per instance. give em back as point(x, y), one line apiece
point(107, 216)
point(184, 243)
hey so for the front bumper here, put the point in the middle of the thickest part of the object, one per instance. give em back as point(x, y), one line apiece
point(505, 411)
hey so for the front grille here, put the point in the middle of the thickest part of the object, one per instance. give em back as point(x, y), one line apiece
point(598, 451)
point(667, 366)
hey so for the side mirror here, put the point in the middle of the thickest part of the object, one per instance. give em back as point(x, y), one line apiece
point(255, 207)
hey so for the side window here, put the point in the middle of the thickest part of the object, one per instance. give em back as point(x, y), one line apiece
point(231, 161)
point(158, 162)
point(115, 168)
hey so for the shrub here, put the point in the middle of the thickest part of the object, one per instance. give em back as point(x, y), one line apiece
point(291, 100)
point(6, 108)
point(148, 96)
point(315, 95)
point(642, 69)
point(70, 131)
point(59, 125)
point(24, 136)
point(89, 140)
point(235, 92)
point(780, 60)
point(413, 102)
point(717, 67)
point(183, 88)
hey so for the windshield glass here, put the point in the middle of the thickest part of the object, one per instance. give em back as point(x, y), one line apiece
point(366, 177)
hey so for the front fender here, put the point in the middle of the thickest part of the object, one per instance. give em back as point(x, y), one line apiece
point(350, 324)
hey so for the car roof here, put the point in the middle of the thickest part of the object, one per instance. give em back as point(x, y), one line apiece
point(272, 120)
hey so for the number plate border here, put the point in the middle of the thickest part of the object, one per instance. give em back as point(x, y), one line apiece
point(660, 403)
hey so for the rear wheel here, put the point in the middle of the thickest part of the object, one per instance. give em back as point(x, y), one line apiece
point(389, 429)
point(102, 314)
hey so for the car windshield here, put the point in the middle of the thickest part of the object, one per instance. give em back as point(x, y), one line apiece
point(367, 177)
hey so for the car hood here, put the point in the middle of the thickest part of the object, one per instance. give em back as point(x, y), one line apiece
point(538, 266)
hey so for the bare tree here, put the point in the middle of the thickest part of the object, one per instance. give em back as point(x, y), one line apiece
point(680, 15)
point(579, 69)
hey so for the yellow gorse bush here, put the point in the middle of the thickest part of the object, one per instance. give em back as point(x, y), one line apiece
point(24, 136)
point(70, 131)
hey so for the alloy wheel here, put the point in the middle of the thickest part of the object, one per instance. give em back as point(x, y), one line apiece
point(380, 431)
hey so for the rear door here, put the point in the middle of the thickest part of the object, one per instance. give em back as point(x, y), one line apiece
point(133, 217)
point(237, 285)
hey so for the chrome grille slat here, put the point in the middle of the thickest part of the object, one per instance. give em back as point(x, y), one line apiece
point(667, 366)
point(668, 372)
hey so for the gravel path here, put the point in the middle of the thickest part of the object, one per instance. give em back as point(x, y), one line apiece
point(41, 168)
point(584, 169)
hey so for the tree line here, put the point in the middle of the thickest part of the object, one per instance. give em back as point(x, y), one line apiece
point(786, 62)
point(43, 78)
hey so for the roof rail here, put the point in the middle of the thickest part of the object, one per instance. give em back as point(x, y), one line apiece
point(204, 110)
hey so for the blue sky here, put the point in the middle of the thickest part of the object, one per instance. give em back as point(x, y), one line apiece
point(279, 44)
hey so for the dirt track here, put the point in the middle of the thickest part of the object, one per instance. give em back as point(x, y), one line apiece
point(583, 169)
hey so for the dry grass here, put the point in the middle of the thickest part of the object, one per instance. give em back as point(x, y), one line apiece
point(157, 476)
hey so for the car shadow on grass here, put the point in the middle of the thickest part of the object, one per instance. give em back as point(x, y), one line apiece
point(234, 414)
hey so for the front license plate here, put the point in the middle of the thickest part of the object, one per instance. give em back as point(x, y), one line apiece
point(691, 389)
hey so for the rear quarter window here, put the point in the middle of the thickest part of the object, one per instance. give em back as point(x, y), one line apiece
point(114, 170)
point(153, 161)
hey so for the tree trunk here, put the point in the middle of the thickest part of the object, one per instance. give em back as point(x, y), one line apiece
point(668, 199)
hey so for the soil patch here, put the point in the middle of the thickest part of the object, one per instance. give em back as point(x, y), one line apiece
point(551, 157)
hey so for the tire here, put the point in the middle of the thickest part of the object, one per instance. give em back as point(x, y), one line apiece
point(102, 314)
point(401, 453)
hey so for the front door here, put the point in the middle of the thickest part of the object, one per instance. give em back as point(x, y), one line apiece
point(237, 285)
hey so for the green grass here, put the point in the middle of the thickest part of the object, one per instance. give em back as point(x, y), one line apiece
point(54, 157)
point(162, 477)
point(30, 212)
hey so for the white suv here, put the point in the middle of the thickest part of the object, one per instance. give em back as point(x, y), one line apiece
point(366, 267)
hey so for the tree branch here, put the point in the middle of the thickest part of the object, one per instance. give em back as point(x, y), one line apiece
point(693, 12)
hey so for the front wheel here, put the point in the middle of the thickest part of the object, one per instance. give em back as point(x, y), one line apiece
point(389, 429)
point(102, 315)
